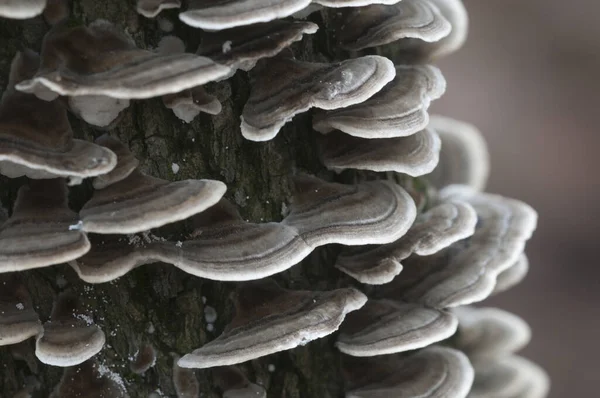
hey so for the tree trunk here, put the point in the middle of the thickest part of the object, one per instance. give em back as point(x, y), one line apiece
point(160, 304)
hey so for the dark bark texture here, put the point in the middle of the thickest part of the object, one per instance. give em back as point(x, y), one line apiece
point(159, 304)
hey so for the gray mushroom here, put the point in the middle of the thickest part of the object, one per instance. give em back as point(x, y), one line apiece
point(70, 337)
point(151, 8)
point(398, 110)
point(513, 275)
point(21, 9)
point(487, 333)
point(375, 25)
point(374, 212)
point(39, 233)
point(510, 377)
point(270, 319)
point(185, 380)
point(434, 230)
point(283, 87)
point(139, 202)
point(434, 372)
point(466, 271)
point(18, 319)
point(225, 247)
point(101, 60)
point(464, 157)
point(36, 137)
point(218, 15)
point(386, 327)
point(243, 47)
point(90, 380)
point(414, 155)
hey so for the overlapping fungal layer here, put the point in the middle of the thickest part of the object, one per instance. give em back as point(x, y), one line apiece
point(270, 319)
point(70, 337)
point(456, 246)
point(21, 9)
point(18, 319)
point(223, 246)
point(490, 337)
point(217, 15)
point(36, 137)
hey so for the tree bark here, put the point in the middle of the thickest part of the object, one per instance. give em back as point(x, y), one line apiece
point(160, 304)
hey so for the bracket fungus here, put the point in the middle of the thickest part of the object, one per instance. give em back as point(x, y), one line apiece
point(414, 155)
point(139, 202)
point(464, 157)
point(18, 319)
point(242, 48)
point(367, 213)
point(101, 60)
point(398, 110)
point(381, 253)
point(187, 104)
point(70, 337)
point(386, 327)
point(270, 319)
point(21, 9)
point(377, 24)
point(284, 87)
point(184, 380)
point(90, 380)
point(218, 15)
point(151, 8)
point(432, 231)
point(434, 372)
point(36, 139)
point(38, 233)
point(513, 275)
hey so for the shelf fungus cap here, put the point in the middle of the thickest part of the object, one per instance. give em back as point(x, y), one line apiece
point(464, 158)
point(243, 47)
point(270, 319)
point(386, 327)
point(187, 104)
point(414, 155)
point(513, 275)
point(37, 140)
point(101, 60)
point(227, 248)
point(234, 384)
point(70, 336)
point(144, 359)
point(18, 319)
point(112, 256)
point(398, 110)
point(218, 15)
point(283, 87)
point(487, 333)
point(466, 271)
point(90, 380)
point(39, 233)
point(511, 376)
point(139, 202)
point(373, 212)
point(377, 25)
point(151, 8)
point(433, 372)
point(434, 230)
point(184, 380)
point(21, 9)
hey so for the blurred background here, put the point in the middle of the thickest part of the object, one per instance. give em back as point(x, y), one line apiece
point(528, 78)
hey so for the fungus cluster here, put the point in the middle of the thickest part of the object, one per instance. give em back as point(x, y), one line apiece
point(398, 204)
